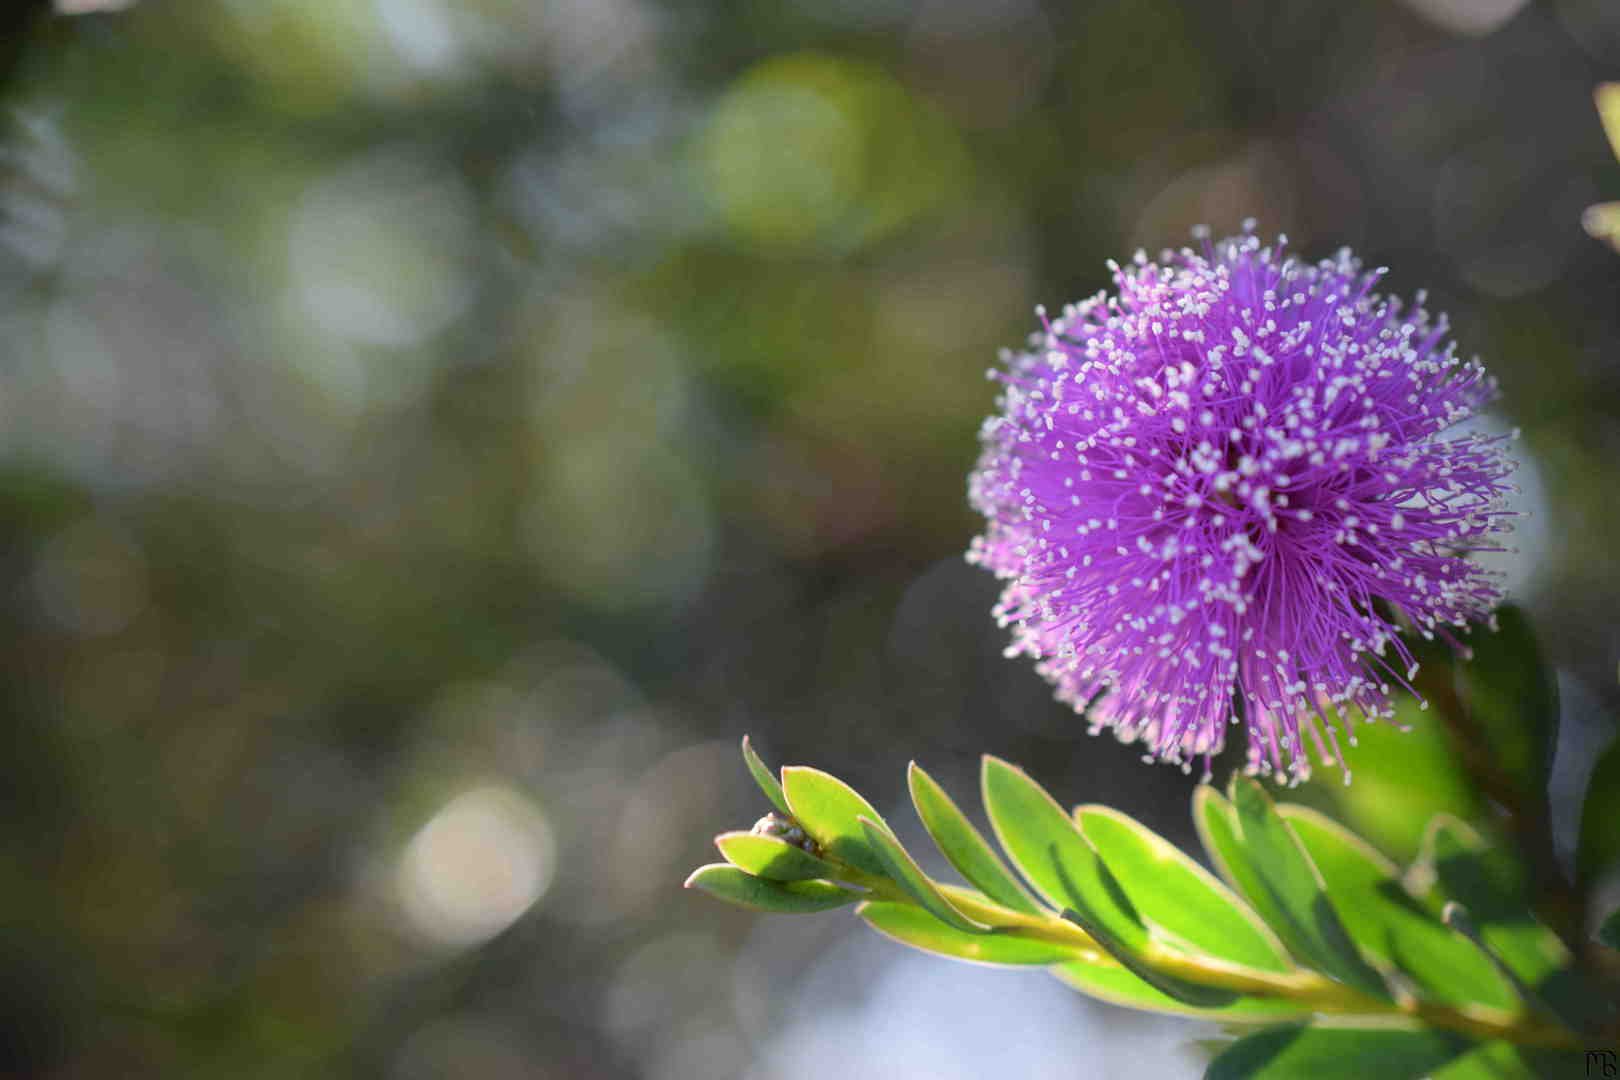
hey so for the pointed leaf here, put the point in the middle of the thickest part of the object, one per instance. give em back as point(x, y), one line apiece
point(1464, 868)
point(763, 777)
point(1217, 831)
point(1599, 847)
point(1307, 920)
point(1388, 923)
point(1047, 847)
point(1051, 853)
point(1607, 97)
point(771, 857)
point(784, 897)
point(1216, 820)
point(905, 871)
point(1512, 700)
point(1457, 918)
point(1175, 894)
point(1049, 850)
point(962, 844)
point(917, 928)
point(1325, 1053)
point(830, 811)
point(1609, 932)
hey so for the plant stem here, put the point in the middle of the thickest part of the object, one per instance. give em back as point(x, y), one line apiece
point(1322, 994)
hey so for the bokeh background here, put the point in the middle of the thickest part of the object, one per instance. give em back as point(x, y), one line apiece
point(433, 431)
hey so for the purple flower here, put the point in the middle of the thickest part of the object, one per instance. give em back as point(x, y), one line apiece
point(1217, 494)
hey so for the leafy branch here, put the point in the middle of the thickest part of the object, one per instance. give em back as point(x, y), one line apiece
point(1308, 931)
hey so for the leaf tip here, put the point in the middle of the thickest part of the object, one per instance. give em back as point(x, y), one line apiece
point(989, 763)
point(694, 879)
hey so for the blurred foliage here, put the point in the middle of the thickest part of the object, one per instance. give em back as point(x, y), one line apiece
point(432, 430)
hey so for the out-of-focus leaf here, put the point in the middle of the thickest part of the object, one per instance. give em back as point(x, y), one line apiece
point(1324, 1053)
point(1607, 97)
point(915, 927)
point(1104, 978)
point(1406, 771)
point(783, 897)
point(1457, 918)
point(1504, 1061)
point(830, 811)
point(1463, 868)
point(1048, 848)
point(1175, 894)
point(1609, 932)
point(1599, 847)
point(962, 844)
point(1487, 1061)
point(1512, 700)
point(770, 857)
point(767, 782)
point(1306, 919)
point(1602, 222)
point(905, 871)
point(1387, 923)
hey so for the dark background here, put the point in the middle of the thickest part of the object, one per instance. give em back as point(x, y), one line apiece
point(432, 432)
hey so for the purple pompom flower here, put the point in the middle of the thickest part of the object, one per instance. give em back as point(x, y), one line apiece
point(1217, 494)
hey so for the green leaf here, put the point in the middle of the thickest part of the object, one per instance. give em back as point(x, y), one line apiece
point(1048, 848)
point(830, 811)
point(905, 871)
point(763, 777)
point(1599, 847)
point(1050, 851)
point(1609, 932)
point(1406, 770)
point(1341, 1053)
point(917, 928)
point(1498, 1060)
point(1512, 699)
point(1190, 993)
point(1293, 893)
point(1463, 868)
point(784, 897)
point(1456, 916)
point(1217, 831)
point(1102, 977)
point(1176, 895)
point(1388, 923)
point(963, 846)
point(771, 857)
